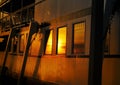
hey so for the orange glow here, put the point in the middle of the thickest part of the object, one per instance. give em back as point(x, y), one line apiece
point(1, 39)
point(79, 37)
point(22, 43)
point(49, 44)
point(36, 43)
point(61, 48)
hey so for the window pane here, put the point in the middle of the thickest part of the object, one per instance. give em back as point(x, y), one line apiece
point(49, 44)
point(79, 35)
point(14, 42)
point(61, 47)
point(3, 43)
point(22, 43)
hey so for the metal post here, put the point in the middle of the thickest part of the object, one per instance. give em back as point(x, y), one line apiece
point(96, 43)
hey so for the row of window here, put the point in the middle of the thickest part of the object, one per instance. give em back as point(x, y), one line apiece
point(78, 41)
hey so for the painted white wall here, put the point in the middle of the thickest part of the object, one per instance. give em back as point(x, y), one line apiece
point(68, 71)
point(65, 71)
point(50, 9)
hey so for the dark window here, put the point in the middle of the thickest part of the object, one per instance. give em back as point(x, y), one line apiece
point(22, 43)
point(3, 43)
point(15, 42)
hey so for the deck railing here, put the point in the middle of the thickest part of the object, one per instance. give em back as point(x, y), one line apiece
point(17, 18)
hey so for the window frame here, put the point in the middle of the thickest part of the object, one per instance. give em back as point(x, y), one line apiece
point(73, 37)
point(11, 48)
point(51, 31)
point(20, 43)
point(57, 40)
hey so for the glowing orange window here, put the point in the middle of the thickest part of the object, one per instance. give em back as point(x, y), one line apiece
point(61, 42)
point(49, 44)
point(79, 38)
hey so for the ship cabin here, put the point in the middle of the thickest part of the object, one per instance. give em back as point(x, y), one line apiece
point(50, 40)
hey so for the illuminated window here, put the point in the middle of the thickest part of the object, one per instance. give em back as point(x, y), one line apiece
point(79, 38)
point(22, 43)
point(49, 44)
point(61, 42)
